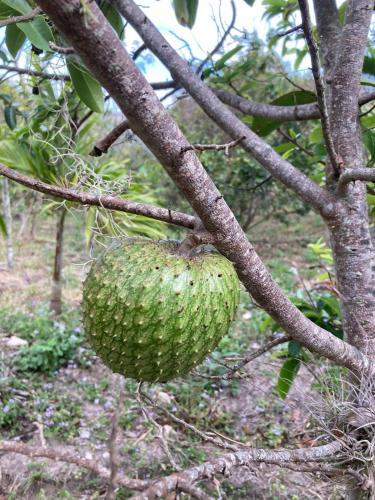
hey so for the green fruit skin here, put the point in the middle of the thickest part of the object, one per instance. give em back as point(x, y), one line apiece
point(153, 315)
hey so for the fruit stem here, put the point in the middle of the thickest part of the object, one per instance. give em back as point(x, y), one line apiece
point(199, 236)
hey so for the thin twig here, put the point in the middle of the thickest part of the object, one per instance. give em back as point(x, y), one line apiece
point(213, 147)
point(159, 427)
point(186, 425)
point(253, 355)
point(61, 50)
point(102, 146)
point(41, 74)
point(320, 88)
point(290, 31)
point(109, 202)
point(139, 51)
point(221, 41)
point(20, 19)
point(114, 459)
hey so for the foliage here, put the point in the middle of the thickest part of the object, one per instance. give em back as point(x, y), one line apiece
point(51, 344)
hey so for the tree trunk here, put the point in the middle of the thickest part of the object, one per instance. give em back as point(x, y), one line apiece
point(56, 296)
point(8, 223)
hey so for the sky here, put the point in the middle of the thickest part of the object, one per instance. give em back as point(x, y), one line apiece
point(204, 35)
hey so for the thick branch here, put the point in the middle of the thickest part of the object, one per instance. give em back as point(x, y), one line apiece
point(300, 112)
point(71, 458)
point(319, 85)
point(356, 174)
point(225, 465)
point(20, 19)
point(281, 169)
point(346, 82)
point(328, 24)
point(109, 202)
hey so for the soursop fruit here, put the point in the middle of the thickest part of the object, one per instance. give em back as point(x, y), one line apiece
point(153, 315)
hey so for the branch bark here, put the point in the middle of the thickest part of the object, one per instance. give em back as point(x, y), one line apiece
point(319, 85)
point(350, 235)
point(281, 169)
point(301, 112)
point(356, 174)
point(105, 56)
point(329, 28)
point(110, 202)
point(70, 457)
point(20, 19)
point(226, 463)
point(102, 146)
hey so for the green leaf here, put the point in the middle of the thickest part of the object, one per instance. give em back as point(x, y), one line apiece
point(186, 11)
point(38, 32)
point(3, 227)
point(221, 62)
point(294, 349)
point(264, 126)
point(114, 18)
point(369, 65)
point(249, 2)
point(87, 88)
point(368, 83)
point(286, 376)
point(6, 11)
point(10, 117)
point(14, 39)
point(20, 6)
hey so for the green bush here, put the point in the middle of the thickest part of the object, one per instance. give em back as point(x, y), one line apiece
point(52, 343)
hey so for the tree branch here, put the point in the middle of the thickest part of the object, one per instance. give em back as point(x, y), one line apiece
point(356, 174)
point(54, 76)
point(300, 112)
point(102, 146)
point(290, 31)
point(346, 79)
point(20, 19)
point(71, 458)
point(281, 169)
point(329, 27)
point(255, 354)
point(61, 50)
point(226, 463)
point(109, 202)
point(103, 53)
point(213, 147)
point(319, 85)
point(41, 74)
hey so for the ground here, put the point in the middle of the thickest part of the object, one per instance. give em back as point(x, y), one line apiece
point(54, 389)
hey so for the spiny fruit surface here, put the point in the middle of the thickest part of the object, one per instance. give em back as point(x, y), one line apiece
point(153, 315)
